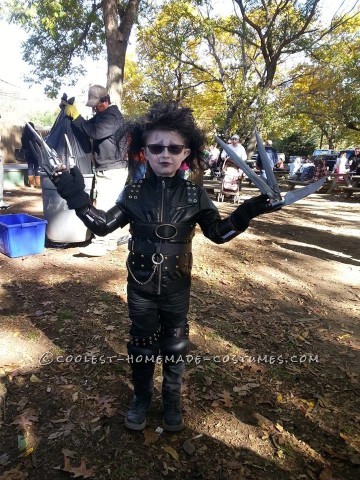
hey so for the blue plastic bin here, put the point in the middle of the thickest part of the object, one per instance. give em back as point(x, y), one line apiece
point(21, 235)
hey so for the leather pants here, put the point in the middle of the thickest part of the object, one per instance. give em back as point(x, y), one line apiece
point(159, 326)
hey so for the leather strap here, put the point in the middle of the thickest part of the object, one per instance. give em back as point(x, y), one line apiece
point(146, 248)
point(165, 231)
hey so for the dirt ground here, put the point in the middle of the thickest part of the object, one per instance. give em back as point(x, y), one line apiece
point(271, 389)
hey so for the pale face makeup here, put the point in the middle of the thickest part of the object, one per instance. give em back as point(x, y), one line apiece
point(165, 164)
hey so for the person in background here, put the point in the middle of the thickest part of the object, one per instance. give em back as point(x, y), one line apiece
point(273, 156)
point(163, 210)
point(307, 169)
point(30, 157)
point(235, 144)
point(341, 163)
point(320, 168)
point(354, 161)
point(137, 169)
point(295, 167)
point(214, 154)
point(111, 172)
point(280, 165)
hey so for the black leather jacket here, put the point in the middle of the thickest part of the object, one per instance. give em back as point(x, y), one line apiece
point(163, 213)
point(102, 128)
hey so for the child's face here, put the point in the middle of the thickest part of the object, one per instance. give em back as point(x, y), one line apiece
point(165, 163)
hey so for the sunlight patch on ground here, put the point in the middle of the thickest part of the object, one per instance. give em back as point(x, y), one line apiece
point(21, 344)
point(322, 249)
point(269, 441)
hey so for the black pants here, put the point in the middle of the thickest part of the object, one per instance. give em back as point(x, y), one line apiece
point(150, 312)
point(149, 315)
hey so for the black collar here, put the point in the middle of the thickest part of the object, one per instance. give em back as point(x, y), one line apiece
point(170, 182)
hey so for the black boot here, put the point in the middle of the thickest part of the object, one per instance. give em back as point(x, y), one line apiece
point(136, 416)
point(142, 376)
point(173, 421)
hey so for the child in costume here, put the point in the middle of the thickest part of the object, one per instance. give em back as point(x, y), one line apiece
point(162, 210)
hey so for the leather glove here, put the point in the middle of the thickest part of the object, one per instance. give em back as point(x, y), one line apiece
point(71, 111)
point(250, 209)
point(70, 186)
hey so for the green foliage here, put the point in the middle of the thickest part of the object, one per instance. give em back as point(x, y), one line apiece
point(230, 70)
point(296, 144)
point(44, 119)
point(62, 33)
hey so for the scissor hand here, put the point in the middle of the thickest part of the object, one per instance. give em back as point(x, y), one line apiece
point(272, 189)
point(258, 181)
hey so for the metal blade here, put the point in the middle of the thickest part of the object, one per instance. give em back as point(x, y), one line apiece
point(37, 135)
point(266, 163)
point(51, 153)
point(71, 158)
point(258, 181)
point(68, 145)
point(50, 163)
point(296, 195)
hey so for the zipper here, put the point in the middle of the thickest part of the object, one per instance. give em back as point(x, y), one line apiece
point(161, 219)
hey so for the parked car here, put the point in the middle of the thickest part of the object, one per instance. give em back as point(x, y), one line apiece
point(324, 151)
point(349, 152)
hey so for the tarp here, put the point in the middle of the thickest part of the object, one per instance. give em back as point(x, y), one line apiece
point(80, 143)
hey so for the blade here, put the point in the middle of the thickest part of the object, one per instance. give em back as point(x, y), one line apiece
point(296, 195)
point(37, 135)
point(258, 181)
point(71, 158)
point(44, 144)
point(68, 145)
point(266, 162)
point(48, 165)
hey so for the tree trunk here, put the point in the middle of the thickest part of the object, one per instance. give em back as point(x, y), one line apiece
point(118, 26)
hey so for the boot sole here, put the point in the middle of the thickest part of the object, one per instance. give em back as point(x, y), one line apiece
point(134, 426)
point(173, 428)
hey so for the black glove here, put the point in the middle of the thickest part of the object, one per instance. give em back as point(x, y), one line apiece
point(70, 186)
point(250, 209)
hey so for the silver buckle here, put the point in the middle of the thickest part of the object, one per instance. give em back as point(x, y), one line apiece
point(165, 225)
point(161, 258)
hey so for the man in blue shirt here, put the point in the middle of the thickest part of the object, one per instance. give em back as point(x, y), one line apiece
point(273, 156)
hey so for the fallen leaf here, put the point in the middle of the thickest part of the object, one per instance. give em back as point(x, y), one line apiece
point(25, 419)
point(150, 437)
point(226, 398)
point(35, 379)
point(279, 427)
point(80, 471)
point(326, 474)
point(263, 422)
point(14, 474)
point(172, 452)
point(68, 453)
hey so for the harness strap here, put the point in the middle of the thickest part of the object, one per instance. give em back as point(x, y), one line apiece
point(145, 248)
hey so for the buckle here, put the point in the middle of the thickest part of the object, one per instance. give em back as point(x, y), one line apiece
point(161, 258)
point(166, 231)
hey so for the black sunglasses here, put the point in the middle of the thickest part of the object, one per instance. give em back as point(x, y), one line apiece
point(157, 149)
